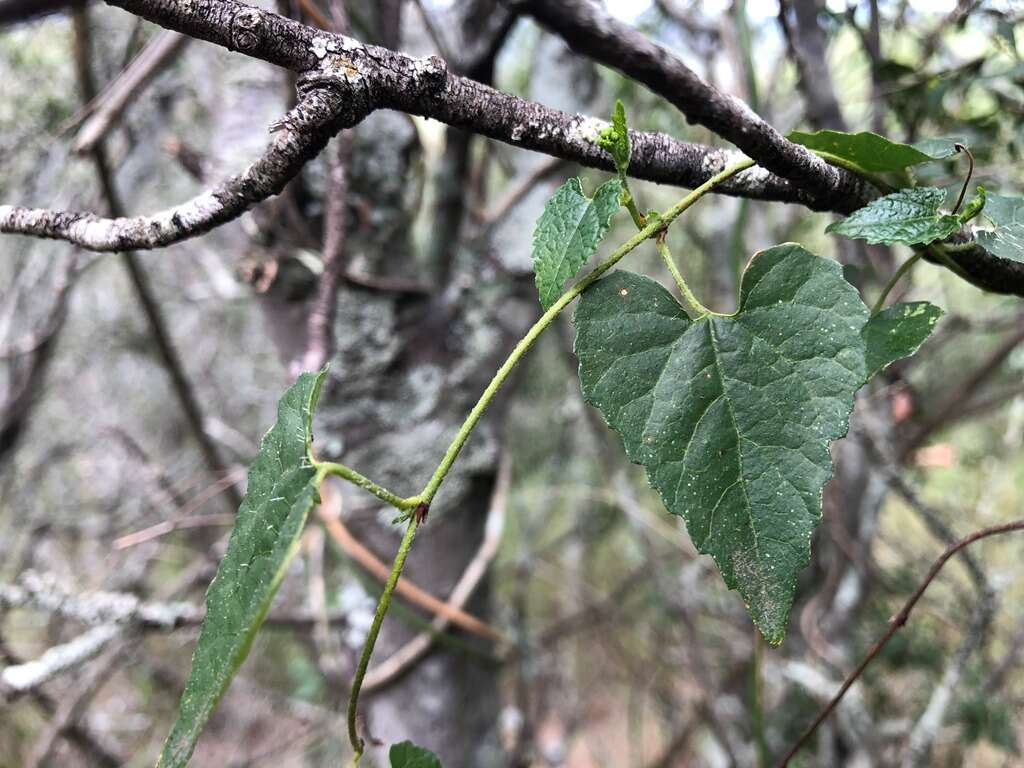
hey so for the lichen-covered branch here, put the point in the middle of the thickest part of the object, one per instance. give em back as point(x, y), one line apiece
point(590, 30)
point(357, 79)
point(297, 137)
point(345, 80)
point(19, 678)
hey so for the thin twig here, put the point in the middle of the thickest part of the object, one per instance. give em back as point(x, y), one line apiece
point(320, 323)
point(91, 745)
point(107, 108)
point(21, 678)
point(895, 624)
point(144, 294)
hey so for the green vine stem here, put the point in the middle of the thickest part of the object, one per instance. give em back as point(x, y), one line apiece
point(940, 252)
point(630, 202)
point(904, 268)
point(666, 256)
point(371, 639)
point(422, 502)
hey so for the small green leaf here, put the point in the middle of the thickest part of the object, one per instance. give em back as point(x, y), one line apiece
point(1007, 239)
point(909, 216)
point(869, 151)
point(731, 416)
point(408, 755)
point(568, 232)
point(280, 495)
point(898, 332)
point(615, 139)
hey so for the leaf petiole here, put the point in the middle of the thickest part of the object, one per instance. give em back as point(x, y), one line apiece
point(691, 298)
point(324, 468)
point(899, 273)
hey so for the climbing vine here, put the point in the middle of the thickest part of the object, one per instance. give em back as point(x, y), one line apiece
point(731, 415)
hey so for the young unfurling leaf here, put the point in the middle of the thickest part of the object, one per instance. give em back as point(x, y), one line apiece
point(568, 233)
point(615, 139)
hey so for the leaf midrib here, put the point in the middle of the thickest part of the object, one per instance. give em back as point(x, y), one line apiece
point(739, 438)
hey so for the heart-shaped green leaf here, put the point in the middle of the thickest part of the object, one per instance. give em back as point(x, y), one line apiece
point(731, 416)
point(280, 495)
point(869, 151)
point(909, 216)
point(408, 755)
point(1007, 239)
point(568, 232)
point(897, 332)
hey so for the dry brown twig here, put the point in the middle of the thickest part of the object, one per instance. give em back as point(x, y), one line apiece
point(106, 109)
point(895, 624)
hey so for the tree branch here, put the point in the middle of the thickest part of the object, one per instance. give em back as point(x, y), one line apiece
point(298, 137)
point(345, 80)
point(589, 30)
point(106, 110)
point(20, 678)
point(359, 79)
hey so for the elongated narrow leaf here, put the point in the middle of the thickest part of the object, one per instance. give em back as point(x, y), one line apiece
point(868, 151)
point(408, 755)
point(568, 233)
point(1007, 239)
point(280, 495)
point(731, 416)
point(897, 332)
point(909, 216)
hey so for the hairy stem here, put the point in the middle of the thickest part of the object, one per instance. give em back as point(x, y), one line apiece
point(942, 255)
point(325, 468)
point(630, 202)
point(841, 162)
